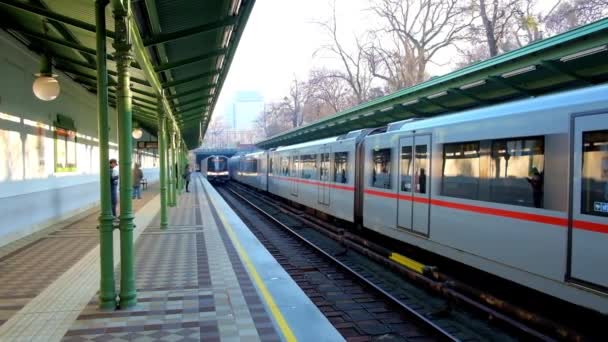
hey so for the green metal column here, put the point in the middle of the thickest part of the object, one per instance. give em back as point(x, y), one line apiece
point(107, 288)
point(174, 168)
point(122, 45)
point(180, 170)
point(162, 153)
point(171, 168)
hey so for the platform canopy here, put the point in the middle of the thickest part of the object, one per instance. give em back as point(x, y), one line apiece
point(182, 48)
point(573, 59)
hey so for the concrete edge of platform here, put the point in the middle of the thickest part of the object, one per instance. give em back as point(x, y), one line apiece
point(290, 308)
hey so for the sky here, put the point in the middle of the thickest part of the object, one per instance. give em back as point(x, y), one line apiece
point(282, 40)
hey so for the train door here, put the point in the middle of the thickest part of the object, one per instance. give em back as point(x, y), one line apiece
point(294, 172)
point(323, 187)
point(414, 193)
point(404, 201)
point(589, 201)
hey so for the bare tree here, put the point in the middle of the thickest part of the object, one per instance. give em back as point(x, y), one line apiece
point(497, 18)
point(329, 91)
point(356, 71)
point(419, 29)
point(294, 103)
point(574, 13)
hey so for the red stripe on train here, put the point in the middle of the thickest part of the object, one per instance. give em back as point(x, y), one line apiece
point(304, 181)
point(557, 221)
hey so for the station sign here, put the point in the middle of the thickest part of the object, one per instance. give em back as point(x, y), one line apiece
point(147, 144)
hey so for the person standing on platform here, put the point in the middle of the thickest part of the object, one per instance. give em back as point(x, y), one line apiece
point(138, 175)
point(186, 176)
point(114, 185)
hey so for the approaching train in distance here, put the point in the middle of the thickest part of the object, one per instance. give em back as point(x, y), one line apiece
point(518, 190)
point(215, 169)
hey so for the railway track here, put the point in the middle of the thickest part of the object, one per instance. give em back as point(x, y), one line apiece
point(364, 299)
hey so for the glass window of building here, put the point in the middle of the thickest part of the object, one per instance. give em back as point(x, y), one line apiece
point(594, 180)
point(517, 170)
point(461, 170)
point(381, 168)
point(340, 167)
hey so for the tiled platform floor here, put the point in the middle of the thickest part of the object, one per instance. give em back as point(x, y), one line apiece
point(29, 265)
point(191, 286)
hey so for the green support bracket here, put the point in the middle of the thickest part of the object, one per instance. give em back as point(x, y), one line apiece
point(177, 64)
point(55, 16)
point(190, 92)
point(557, 68)
point(167, 37)
point(504, 82)
point(467, 94)
point(191, 78)
point(201, 100)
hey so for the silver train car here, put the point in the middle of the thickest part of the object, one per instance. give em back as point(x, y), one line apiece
point(215, 169)
point(518, 190)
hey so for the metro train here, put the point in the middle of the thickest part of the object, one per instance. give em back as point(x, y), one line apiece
point(215, 169)
point(518, 190)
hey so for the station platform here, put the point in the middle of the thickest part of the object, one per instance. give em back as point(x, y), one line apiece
point(205, 278)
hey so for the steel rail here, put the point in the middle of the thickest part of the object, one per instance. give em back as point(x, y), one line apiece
point(435, 329)
point(439, 282)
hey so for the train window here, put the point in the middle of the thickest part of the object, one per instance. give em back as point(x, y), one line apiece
point(594, 180)
point(421, 160)
point(406, 168)
point(516, 171)
point(324, 170)
point(295, 165)
point(341, 167)
point(381, 168)
point(309, 166)
point(461, 170)
point(285, 166)
point(270, 165)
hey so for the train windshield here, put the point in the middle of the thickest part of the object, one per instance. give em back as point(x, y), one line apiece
point(216, 164)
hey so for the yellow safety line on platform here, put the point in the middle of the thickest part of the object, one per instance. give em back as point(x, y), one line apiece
point(407, 262)
point(276, 312)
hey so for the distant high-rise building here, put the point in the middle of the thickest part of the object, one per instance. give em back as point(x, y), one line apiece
point(245, 109)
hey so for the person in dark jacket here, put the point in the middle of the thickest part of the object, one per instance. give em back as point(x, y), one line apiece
point(186, 176)
point(113, 185)
point(138, 175)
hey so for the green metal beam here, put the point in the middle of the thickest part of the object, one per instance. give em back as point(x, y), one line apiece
point(467, 94)
point(190, 92)
point(143, 92)
point(195, 107)
point(63, 42)
point(199, 99)
point(190, 79)
point(183, 62)
point(554, 67)
point(93, 67)
point(24, 6)
point(167, 37)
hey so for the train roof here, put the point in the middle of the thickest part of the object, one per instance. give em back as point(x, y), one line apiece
point(520, 107)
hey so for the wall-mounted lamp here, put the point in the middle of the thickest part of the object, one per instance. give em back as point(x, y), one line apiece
point(137, 131)
point(46, 87)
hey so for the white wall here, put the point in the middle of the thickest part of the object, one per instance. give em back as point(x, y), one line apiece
point(32, 194)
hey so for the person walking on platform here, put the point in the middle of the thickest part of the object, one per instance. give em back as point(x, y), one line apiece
point(186, 176)
point(113, 185)
point(138, 175)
